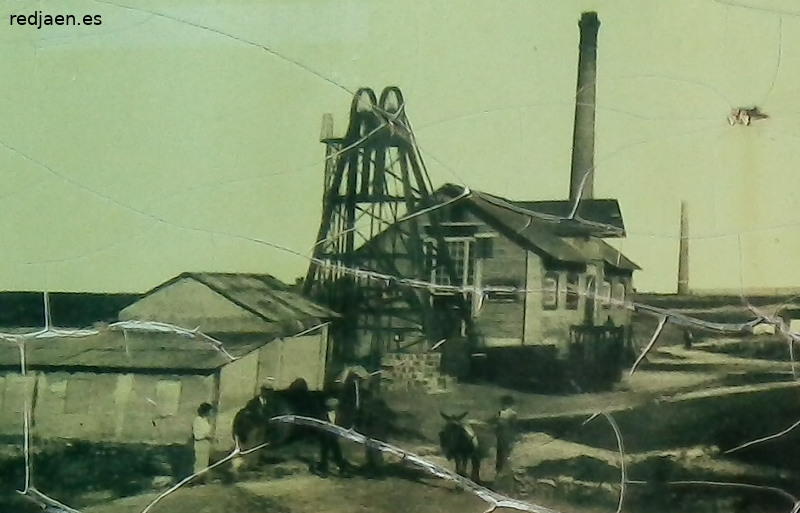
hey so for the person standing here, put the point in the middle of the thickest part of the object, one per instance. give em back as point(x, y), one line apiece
point(329, 442)
point(688, 338)
point(202, 433)
point(375, 420)
point(505, 431)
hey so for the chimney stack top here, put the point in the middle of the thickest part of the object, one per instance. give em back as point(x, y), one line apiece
point(589, 26)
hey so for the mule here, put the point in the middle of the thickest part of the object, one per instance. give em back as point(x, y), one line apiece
point(252, 425)
point(459, 443)
point(249, 429)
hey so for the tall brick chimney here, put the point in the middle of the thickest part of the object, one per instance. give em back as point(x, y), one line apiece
point(683, 252)
point(583, 131)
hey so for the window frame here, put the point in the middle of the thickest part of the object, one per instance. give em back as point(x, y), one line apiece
point(465, 260)
point(620, 292)
point(552, 302)
point(573, 298)
point(604, 295)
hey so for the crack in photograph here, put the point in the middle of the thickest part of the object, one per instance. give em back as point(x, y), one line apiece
point(295, 256)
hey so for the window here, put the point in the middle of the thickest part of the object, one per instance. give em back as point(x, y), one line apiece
point(619, 291)
point(605, 294)
point(503, 295)
point(503, 291)
point(430, 257)
point(484, 247)
point(462, 256)
point(550, 291)
point(168, 397)
point(573, 292)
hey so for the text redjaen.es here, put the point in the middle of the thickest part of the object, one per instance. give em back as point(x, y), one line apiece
point(39, 20)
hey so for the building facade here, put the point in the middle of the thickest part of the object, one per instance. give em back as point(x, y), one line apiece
point(529, 279)
point(142, 382)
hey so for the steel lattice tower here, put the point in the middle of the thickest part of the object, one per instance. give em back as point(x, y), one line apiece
point(374, 177)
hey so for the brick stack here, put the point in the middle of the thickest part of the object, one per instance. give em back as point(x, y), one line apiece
point(414, 372)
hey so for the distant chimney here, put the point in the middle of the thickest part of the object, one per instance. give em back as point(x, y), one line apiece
point(583, 132)
point(683, 252)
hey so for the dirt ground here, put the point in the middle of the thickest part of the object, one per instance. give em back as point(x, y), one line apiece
point(419, 411)
point(300, 491)
point(312, 494)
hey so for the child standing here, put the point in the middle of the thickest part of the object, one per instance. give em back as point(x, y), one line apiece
point(202, 434)
point(505, 431)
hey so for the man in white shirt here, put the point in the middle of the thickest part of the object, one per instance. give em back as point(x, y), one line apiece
point(202, 433)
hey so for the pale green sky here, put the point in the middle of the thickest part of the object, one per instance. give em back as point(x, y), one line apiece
point(149, 146)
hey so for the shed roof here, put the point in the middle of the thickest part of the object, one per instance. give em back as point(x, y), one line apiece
point(129, 350)
point(285, 312)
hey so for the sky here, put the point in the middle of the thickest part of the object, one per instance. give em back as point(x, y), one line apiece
point(184, 135)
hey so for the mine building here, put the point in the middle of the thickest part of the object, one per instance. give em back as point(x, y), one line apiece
point(497, 288)
point(537, 293)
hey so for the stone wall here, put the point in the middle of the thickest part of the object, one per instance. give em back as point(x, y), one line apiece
point(408, 371)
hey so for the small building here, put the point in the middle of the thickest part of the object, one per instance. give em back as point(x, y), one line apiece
point(141, 381)
point(540, 289)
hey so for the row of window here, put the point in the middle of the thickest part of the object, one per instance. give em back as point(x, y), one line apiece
point(464, 254)
point(551, 286)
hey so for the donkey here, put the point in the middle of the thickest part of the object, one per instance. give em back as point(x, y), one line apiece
point(460, 443)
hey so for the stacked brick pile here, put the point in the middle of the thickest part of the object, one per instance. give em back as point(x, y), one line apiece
point(414, 371)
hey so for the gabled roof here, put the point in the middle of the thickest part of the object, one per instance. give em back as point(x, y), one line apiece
point(540, 232)
point(129, 350)
point(263, 295)
point(283, 311)
point(593, 217)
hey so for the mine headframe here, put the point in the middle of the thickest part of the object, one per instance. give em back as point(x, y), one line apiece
point(380, 232)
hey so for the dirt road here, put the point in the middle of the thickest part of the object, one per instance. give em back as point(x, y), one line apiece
point(306, 494)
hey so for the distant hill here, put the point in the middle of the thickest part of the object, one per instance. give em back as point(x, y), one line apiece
point(67, 309)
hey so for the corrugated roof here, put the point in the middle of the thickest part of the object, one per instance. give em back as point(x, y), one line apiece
point(130, 350)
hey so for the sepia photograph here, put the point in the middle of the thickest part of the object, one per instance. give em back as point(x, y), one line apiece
point(303, 256)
